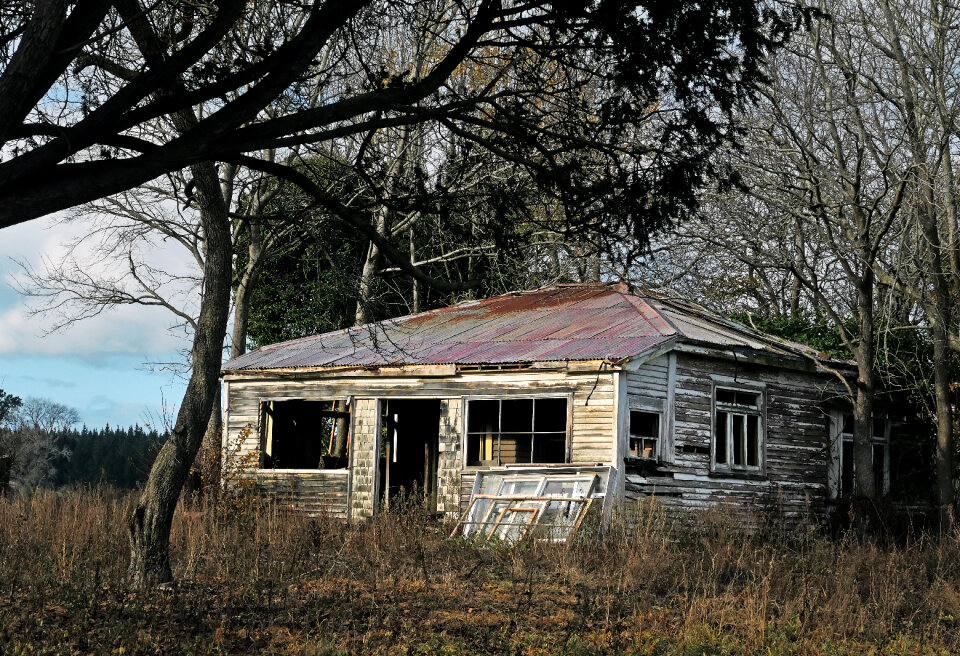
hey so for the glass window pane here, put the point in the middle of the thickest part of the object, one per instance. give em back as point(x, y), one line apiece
point(516, 416)
point(847, 424)
point(482, 416)
point(644, 424)
point(550, 415)
point(726, 396)
point(879, 428)
point(748, 398)
point(720, 439)
point(879, 467)
point(567, 487)
point(753, 441)
point(515, 448)
point(738, 440)
point(516, 486)
point(846, 474)
point(550, 447)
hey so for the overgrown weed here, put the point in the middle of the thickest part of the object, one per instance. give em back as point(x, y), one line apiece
point(256, 577)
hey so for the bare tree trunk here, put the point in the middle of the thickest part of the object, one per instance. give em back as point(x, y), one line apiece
point(942, 312)
point(241, 300)
point(941, 375)
point(371, 265)
point(153, 515)
point(864, 481)
point(416, 284)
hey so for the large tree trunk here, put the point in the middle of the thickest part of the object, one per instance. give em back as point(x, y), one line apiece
point(241, 301)
point(864, 481)
point(153, 515)
point(371, 265)
point(941, 375)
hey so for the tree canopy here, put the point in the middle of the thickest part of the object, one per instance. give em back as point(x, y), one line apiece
point(645, 90)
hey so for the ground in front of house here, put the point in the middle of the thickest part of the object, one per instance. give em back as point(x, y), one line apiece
point(255, 579)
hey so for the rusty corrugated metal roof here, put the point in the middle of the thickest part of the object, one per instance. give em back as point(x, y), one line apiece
point(568, 322)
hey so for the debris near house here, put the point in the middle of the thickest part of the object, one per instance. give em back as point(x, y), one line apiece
point(513, 503)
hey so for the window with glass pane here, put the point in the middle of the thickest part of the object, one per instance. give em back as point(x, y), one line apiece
point(511, 431)
point(644, 433)
point(880, 452)
point(738, 429)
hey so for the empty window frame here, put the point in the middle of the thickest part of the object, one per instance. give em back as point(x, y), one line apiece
point(301, 434)
point(645, 427)
point(516, 431)
point(738, 433)
point(880, 447)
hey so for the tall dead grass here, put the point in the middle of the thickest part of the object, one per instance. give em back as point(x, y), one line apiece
point(648, 585)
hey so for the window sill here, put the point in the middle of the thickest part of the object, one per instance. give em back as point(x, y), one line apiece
point(742, 474)
point(302, 471)
point(641, 460)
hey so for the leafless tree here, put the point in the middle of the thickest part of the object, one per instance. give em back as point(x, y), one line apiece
point(28, 442)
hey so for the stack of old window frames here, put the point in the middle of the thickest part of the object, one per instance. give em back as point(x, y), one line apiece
point(510, 506)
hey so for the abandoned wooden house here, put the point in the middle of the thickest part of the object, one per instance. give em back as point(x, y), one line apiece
point(583, 392)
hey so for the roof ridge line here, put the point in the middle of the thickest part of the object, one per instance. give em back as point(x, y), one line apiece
point(633, 297)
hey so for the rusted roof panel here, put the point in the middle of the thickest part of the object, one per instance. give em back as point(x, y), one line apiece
point(577, 322)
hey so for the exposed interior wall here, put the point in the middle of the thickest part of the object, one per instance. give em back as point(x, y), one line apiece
point(794, 477)
point(593, 417)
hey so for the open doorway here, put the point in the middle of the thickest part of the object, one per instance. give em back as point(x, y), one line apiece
point(409, 442)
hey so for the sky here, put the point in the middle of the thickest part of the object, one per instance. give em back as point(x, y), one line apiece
point(100, 366)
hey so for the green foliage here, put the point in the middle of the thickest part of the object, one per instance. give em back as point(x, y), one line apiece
point(8, 404)
point(821, 335)
point(305, 291)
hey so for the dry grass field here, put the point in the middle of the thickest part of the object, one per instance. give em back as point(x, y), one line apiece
point(255, 579)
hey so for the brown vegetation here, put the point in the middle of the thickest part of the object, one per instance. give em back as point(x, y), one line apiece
point(256, 579)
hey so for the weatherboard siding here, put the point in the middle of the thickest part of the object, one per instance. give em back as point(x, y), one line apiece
point(593, 417)
point(793, 482)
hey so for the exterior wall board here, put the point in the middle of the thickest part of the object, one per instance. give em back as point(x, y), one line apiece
point(795, 460)
point(593, 412)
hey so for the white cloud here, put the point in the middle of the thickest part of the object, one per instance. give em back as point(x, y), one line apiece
point(130, 330)
point(124, 330)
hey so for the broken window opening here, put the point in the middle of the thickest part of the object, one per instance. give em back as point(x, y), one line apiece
point(300, 434)
point(738, 430)
point(644, 434)
point(513, 431)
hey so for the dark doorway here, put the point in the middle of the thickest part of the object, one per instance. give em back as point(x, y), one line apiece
point(409, 440)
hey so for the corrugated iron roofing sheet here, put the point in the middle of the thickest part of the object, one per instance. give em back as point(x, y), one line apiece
point(582, 322)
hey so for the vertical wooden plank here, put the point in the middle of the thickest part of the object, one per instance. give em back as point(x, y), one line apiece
point(834, 452)
point(667, 449)
point(620, 429)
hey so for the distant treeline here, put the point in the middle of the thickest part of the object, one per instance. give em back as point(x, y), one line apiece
point(117, 456)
